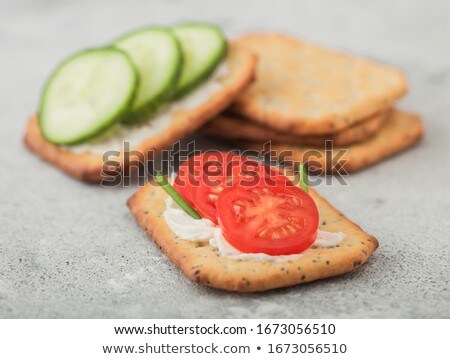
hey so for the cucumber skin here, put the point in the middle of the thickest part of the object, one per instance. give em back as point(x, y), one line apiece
point(220, 56)
point(150, 108)
point(113, 120)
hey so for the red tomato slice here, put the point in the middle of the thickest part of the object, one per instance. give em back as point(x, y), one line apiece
point(201, 178)
point(203, 169)
point(247, 172)
point(275, 220)
point(205, 199)
point(239, 172)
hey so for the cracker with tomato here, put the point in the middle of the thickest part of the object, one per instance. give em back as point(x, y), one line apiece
point(276, 218)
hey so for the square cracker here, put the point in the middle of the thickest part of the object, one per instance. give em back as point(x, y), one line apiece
point(232, 127)
point(201, 263)
point(306, 89)
point(400, 131)
point(89, 167)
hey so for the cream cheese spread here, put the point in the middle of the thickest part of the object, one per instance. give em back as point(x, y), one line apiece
point(203, 230)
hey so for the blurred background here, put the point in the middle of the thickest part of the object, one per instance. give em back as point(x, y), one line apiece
point(68, 249)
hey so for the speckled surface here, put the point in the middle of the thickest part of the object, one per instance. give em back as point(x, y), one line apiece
point(69, 249)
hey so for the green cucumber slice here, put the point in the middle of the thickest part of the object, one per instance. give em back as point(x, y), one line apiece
point(158, 58)
point(204, 46)
point(86, 94)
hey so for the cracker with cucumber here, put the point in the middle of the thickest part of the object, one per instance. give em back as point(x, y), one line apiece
point(248, 237)
point(148, 88)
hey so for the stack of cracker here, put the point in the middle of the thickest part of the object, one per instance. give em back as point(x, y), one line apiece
point(305, 96)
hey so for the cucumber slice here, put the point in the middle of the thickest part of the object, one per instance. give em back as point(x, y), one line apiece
point(204, 46)
point(86, 94)
point(158, 58)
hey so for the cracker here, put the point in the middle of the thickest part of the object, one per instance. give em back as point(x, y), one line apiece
point(233, 127)
point(305, 89)
point(401, 130)
point(201, 263)
point(87, 166)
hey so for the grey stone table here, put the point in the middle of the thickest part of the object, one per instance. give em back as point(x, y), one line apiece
point(69, 249)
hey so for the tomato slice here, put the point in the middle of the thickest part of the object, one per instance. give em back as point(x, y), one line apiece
point(277, 220)
point(205, 199)
point(239, 172)
point(203, 177)
point(247, 172)
point(197, 171)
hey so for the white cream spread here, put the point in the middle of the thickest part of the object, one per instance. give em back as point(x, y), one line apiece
point(203, 230)
point(115, 137)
